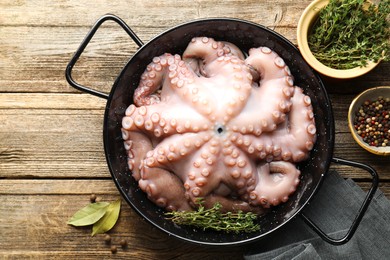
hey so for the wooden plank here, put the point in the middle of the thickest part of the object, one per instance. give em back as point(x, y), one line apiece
point(36, 62)
point(43, 220)
point(75, 186)
point(40, 101)
point(148, 13)
point(376, 77)
point(55, 143)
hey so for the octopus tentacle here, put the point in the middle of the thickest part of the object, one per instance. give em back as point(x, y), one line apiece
point(155, 182)
point(158, 167)
point(231, 204)
point(151, 80)
point(232, 49)
point(268, 63)
point(240, 169)
point(154, 77)
point(257, 148)
point(202, 51)
point(173, 149)
point(205, 176)
point(234, 72)
point(202, 176)
point(301, 126)
point(275, 182)
point(160, 121)
point(168, 156)
point(137, 146)
point(291, 141)
point(223, 68)
point(272, 99)
point(296, 138)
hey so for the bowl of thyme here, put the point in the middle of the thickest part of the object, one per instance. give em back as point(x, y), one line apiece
point(344, 38)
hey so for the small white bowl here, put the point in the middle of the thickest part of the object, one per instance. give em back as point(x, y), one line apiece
point(308, 18)
point(369, 94)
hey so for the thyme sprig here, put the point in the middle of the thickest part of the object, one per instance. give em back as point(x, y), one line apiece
point(349, 33)
point(213, 218)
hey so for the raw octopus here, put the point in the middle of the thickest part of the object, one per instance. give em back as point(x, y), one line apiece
point(216, 125)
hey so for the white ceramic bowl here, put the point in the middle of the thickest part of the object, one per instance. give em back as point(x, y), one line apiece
point(370, 94)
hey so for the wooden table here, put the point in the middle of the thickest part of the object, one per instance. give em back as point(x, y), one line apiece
point(51, 149)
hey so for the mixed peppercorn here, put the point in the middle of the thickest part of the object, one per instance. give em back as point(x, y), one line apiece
point(372, 122)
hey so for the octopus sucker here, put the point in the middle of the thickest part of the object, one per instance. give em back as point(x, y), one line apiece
point(235, 174)
point(200, 182)
point(288, 91)
point(287, 70)
point(130, 110)
point(266, 50)
point(277, 114)
point(307, 100)
point(155, 117)
point(148, 125)
point(286, 156)
point(205, 172)
point(196, 191)
point(128, 144)
point(279, 62)
point(191, 176)
point(311, 129)
point(310, 114)
point(127, 123)
point(251, 150)
point(218, 125)
point(130, 164)
point(230, 162)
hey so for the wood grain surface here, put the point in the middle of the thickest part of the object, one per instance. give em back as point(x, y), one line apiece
point(51, 147)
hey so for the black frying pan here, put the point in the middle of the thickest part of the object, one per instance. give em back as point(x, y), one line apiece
point(245, 35)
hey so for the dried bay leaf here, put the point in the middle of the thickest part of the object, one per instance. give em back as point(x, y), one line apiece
point(90, 214)
point(109, 219)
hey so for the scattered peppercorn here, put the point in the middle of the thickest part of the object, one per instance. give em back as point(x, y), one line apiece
point(372, 122)
point(123, 243)
point(114, 249)
point(107, 239)
point(92, 198)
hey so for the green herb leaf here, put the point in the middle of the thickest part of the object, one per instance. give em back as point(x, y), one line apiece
point(213, 218)
point(89, 215)
point(109, 219)
point(349, 33)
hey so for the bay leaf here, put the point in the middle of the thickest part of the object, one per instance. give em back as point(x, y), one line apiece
point(109, 219)
point(90, 214)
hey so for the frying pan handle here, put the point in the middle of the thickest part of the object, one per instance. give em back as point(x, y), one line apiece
point(83, 45)
point(362, 210)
